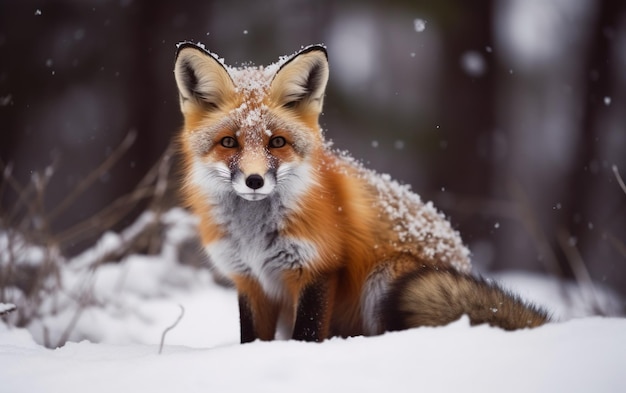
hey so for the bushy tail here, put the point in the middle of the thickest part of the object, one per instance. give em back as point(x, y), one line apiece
point(435, 296)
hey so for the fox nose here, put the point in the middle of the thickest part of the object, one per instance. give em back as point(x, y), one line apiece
point(254, 181)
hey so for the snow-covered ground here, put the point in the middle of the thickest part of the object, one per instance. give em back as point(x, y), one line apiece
point(585, 355)
point(115, 343)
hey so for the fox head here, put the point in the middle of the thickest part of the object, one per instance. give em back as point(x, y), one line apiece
point(250, 131)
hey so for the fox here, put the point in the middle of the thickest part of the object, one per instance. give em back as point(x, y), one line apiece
point(316, 244)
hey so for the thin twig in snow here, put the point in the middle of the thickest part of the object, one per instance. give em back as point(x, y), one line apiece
point(182, 312)
point(72, 324)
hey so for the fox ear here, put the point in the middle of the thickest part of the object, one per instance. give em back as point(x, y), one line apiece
point(203, 81)
point(300, 83)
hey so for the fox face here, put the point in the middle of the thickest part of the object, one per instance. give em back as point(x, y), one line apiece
point(251, 131)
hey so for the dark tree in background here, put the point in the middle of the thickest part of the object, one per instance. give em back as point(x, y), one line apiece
point(557, 103)
point(603, 144)
point(508, 114)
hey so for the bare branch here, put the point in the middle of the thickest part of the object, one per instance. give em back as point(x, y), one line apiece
point(616, 243)
point(30, 222)
point(105, 248)
point(6, 172)
point(160, 188)
point(182, 313)
point(164, 166)
point(94, 175)
point(105, 218)
point(529, 220)
point(23, 197)
point(620, 181)
point(118, 209)
point(580, 270)
point(7, 308)
point(72, 324)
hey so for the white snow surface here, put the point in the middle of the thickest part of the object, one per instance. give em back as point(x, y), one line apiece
point(114, 344)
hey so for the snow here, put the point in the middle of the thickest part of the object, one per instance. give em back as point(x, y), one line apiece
point(578, 356)
point(419, 25)
point(116, 344)
point(473, 63)
point(355, 49)
point(415, 221)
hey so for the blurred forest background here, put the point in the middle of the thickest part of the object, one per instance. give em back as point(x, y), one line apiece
point(510, 115)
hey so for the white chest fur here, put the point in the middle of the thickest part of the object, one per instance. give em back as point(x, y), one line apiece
point(254, 243)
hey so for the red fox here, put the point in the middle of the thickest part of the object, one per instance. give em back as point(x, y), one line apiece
point(315, 244)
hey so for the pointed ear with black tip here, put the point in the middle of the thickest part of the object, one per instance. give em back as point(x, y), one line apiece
point(300, 83)
point(203, 82)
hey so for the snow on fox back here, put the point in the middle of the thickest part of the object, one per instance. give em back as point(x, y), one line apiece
point(417, 225)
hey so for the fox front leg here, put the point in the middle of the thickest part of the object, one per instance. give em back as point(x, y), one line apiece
point(246, 324)
point(314, 310)
point(258, 314)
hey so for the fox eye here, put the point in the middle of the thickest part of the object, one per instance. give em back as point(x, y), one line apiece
point(277, 142)
point(229, 142)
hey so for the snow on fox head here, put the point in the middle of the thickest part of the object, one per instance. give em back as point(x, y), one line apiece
point(250, 130)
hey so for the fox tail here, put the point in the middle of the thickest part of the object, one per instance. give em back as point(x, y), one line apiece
point(438, 296)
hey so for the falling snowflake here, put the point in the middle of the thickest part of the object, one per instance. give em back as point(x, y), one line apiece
point(419, 25)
